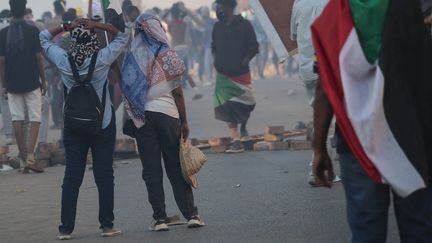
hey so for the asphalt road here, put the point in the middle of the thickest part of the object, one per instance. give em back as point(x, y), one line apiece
point(250, 197)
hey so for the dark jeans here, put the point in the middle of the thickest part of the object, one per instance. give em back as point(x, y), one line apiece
point(102, 148)
point(368, 205)
point(161, 137)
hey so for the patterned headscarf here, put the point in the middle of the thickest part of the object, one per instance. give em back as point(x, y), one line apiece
point(84, 44)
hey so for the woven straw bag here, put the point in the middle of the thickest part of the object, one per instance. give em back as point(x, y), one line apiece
point(191, 160)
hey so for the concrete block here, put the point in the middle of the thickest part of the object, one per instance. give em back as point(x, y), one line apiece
point(4, 149)
point(273, 137)
point(261, 146)
point(279, 145)
point(219, 148)
point(275, 130)
point(300, 145)
point(219, 141)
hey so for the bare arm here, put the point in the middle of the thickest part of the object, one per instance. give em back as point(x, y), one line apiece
point(323, 115)
point(180, 103)
point(40, 60)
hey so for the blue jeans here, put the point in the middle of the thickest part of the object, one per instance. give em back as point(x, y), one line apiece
point(77, 147)
point(368, 206)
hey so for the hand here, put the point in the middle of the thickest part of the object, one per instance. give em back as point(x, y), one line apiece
point(44, 88)
point(323, 169)
point(185, 131)
point(89, 24)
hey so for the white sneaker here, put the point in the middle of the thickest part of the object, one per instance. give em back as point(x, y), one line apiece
point(110, 232)
point(6, 168)
point(64, 236)
point(195, 222)
point(159, 225)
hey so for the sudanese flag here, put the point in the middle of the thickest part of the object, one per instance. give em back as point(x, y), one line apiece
point(375, 63)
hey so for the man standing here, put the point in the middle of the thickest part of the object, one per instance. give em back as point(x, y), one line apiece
point(7, 129)
point(234, 46)
point(376, 79)
point(304, 14)
point(20, 48)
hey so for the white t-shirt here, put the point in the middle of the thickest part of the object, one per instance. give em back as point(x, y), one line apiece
point(165, 104)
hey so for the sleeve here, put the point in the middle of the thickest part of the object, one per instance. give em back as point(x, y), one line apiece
point(53, 52)
point(252, 43)
point(110, 53)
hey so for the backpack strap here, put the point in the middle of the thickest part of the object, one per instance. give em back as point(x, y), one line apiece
point(90, 72)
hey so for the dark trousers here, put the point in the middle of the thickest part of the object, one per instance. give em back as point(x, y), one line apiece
point(160, 137)
point(368, 206)
point(77, 147)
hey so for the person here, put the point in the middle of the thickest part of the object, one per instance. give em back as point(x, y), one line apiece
point(178, 28)
point(262, 57)
point(304, 14)
point(379, 112)
point(208, 24)
point(158, 117)
point(53, 74)
point(84, 45)
point(234, 45)
point(7, 129)
point(20, 47)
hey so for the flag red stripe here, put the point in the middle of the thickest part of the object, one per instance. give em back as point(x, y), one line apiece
point(330, 32)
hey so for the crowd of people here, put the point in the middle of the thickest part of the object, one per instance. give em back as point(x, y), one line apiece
point(81, 63)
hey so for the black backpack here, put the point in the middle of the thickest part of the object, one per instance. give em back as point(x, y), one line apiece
point(83, 111)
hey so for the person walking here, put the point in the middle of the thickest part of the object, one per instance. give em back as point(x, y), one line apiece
point(234, 46)
point(85, 59)
point(155, 103)
point(20, 47)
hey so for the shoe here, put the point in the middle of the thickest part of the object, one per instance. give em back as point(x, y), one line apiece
point(195, 222)
point(6, 168)
point(197, 97)
point(244, 133)
point(313, 183)
point(159, 225)
point(62, 236)
point(237, 147)
point(110, 232)
point(31, 165)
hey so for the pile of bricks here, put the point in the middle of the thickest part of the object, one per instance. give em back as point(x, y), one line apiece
point(219, 145)
point(4, 158)
point(125, 149)
point(50, 154)
point(275, 140)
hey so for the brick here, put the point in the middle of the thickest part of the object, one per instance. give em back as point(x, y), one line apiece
point(219, 141)
point(249, 145)
point(4, 150)
point(4, 158)
point(273, 137)
point(194, 142)
point(261, 146)
point(43, 163)
point(43, 148)
point(275, 130)
point(300, 145)
point(58, 157)
point(219, 149)
point(276, 146)
point(43, 155)
point(125, 145)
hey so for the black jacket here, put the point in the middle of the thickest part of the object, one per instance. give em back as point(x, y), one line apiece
point(232, 44)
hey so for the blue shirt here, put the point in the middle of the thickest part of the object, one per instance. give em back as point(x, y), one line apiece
point(106, 57)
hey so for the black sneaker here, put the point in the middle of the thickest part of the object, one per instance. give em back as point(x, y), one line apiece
point(195, 222)
point(236, 148)
point(159, 225)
